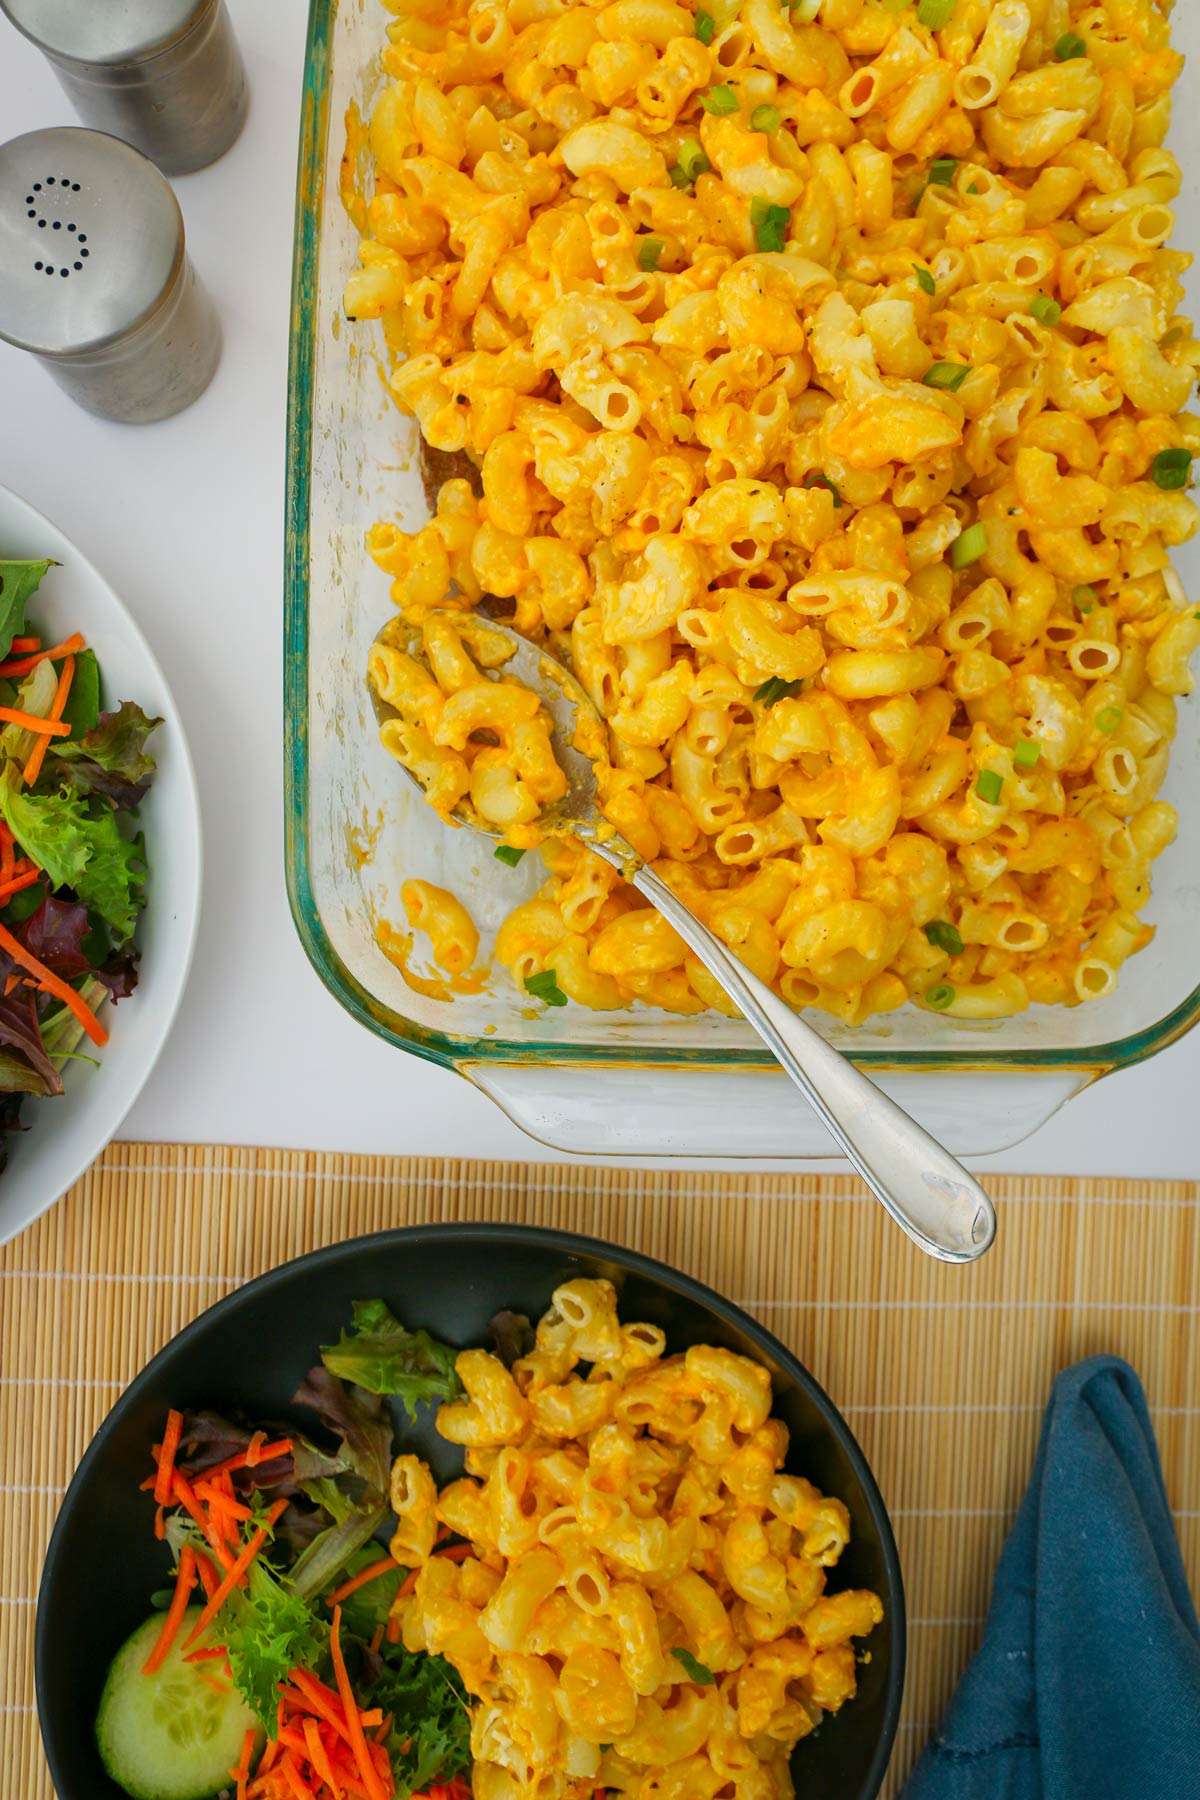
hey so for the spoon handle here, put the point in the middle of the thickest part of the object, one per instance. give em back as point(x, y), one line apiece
point(927, 1191)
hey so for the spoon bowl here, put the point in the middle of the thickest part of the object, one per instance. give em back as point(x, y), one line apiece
point(506, 653)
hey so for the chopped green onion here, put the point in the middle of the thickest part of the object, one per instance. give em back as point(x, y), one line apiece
point(1069, 47)
point(925, 280)
point(941, 173)
point(720, 100)
point(766, 118)
point(705, 26)
point(678, 178)
point(1172, 468)
point(947, 375)
point(1026, 753)
point(697, 1671)
point(944, 936)
point(770, 223)
point(989, 785)
point(508, 853)
point(968, 548)
point(776, 688)
point(940, 996)
point(692, 161)
point(1084, 598)
point(974, 188)
point(649, 251)
point(935, 13)
point(1045, 310)
point(545, 987)
point(1108, 718)
point(815, 479)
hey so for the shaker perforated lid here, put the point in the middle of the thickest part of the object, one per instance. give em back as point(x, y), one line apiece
point(91, 239)
point(104, 31)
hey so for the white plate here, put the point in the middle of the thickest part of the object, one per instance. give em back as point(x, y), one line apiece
point(67, 1134)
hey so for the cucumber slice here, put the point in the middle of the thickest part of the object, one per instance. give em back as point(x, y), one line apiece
point(168, 1736)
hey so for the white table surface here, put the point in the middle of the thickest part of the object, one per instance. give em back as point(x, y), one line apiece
point(186, 520)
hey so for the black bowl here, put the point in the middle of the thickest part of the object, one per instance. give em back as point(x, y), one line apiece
point(250, 1351)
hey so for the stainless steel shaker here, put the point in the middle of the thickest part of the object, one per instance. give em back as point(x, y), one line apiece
point(95, 280)
point(165, 75)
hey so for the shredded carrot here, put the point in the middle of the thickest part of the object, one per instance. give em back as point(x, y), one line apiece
point(456, 1552)
point(376, 1639)
point(318, 1756)
point(217, 1653)
point(37, 755)
point(241, 1774)
point(12, 715)
point(185, 1581)
point(266, 1453)
point(210, 1581)
point(182, 1488)
point(160, 1528)
point(291, 1740)
point(254, 1448)
point(295, 1779)
point(220, 1501)
point(392, 1633)
point(235, 1575)
point(7, 863)
point(52, 985)
point(362, 1755)
point(166, 1457)
point(370, 1573)
point(23, 664)
point(385, 1725)
point(322, 1700)
point(16, 882)
point(269, 1757)
point(26, 643)
point(218, 1687)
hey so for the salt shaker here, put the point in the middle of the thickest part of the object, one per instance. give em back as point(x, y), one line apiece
point(94, 277)
point(165, 75)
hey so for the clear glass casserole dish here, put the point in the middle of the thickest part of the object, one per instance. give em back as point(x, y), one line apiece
point(641, 1083)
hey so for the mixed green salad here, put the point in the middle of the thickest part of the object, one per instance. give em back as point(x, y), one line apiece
point(72, 861)
point(272, 1668)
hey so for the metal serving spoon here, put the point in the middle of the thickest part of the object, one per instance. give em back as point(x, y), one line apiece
point(926, 1190)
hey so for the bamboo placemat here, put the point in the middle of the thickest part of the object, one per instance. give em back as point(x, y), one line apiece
point(941, 1372)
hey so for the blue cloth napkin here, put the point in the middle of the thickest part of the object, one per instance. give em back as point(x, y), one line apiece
point(1087, 1685)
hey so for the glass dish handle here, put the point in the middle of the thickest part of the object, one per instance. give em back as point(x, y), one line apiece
point(925, 1189)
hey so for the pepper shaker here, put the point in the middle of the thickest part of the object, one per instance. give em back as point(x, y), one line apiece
point(95, 280)
point(165, 75)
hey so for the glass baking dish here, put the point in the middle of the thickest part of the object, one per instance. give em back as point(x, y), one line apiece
point(642, 1083)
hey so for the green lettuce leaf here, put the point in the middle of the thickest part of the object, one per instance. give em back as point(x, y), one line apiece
point(369, 1605)
point(18, 580)
point(111, 759)
point(379, 1354)
point(361, 1469)
point(83, 702)
point(268, 1631)
point(430, 1739)
point(91, 855)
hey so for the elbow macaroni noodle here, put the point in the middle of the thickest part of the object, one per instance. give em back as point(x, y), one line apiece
point(628, 1523)
point(822, 378)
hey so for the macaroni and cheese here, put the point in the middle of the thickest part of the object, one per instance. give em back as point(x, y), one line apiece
point(644, 1609)
point(823, 384)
